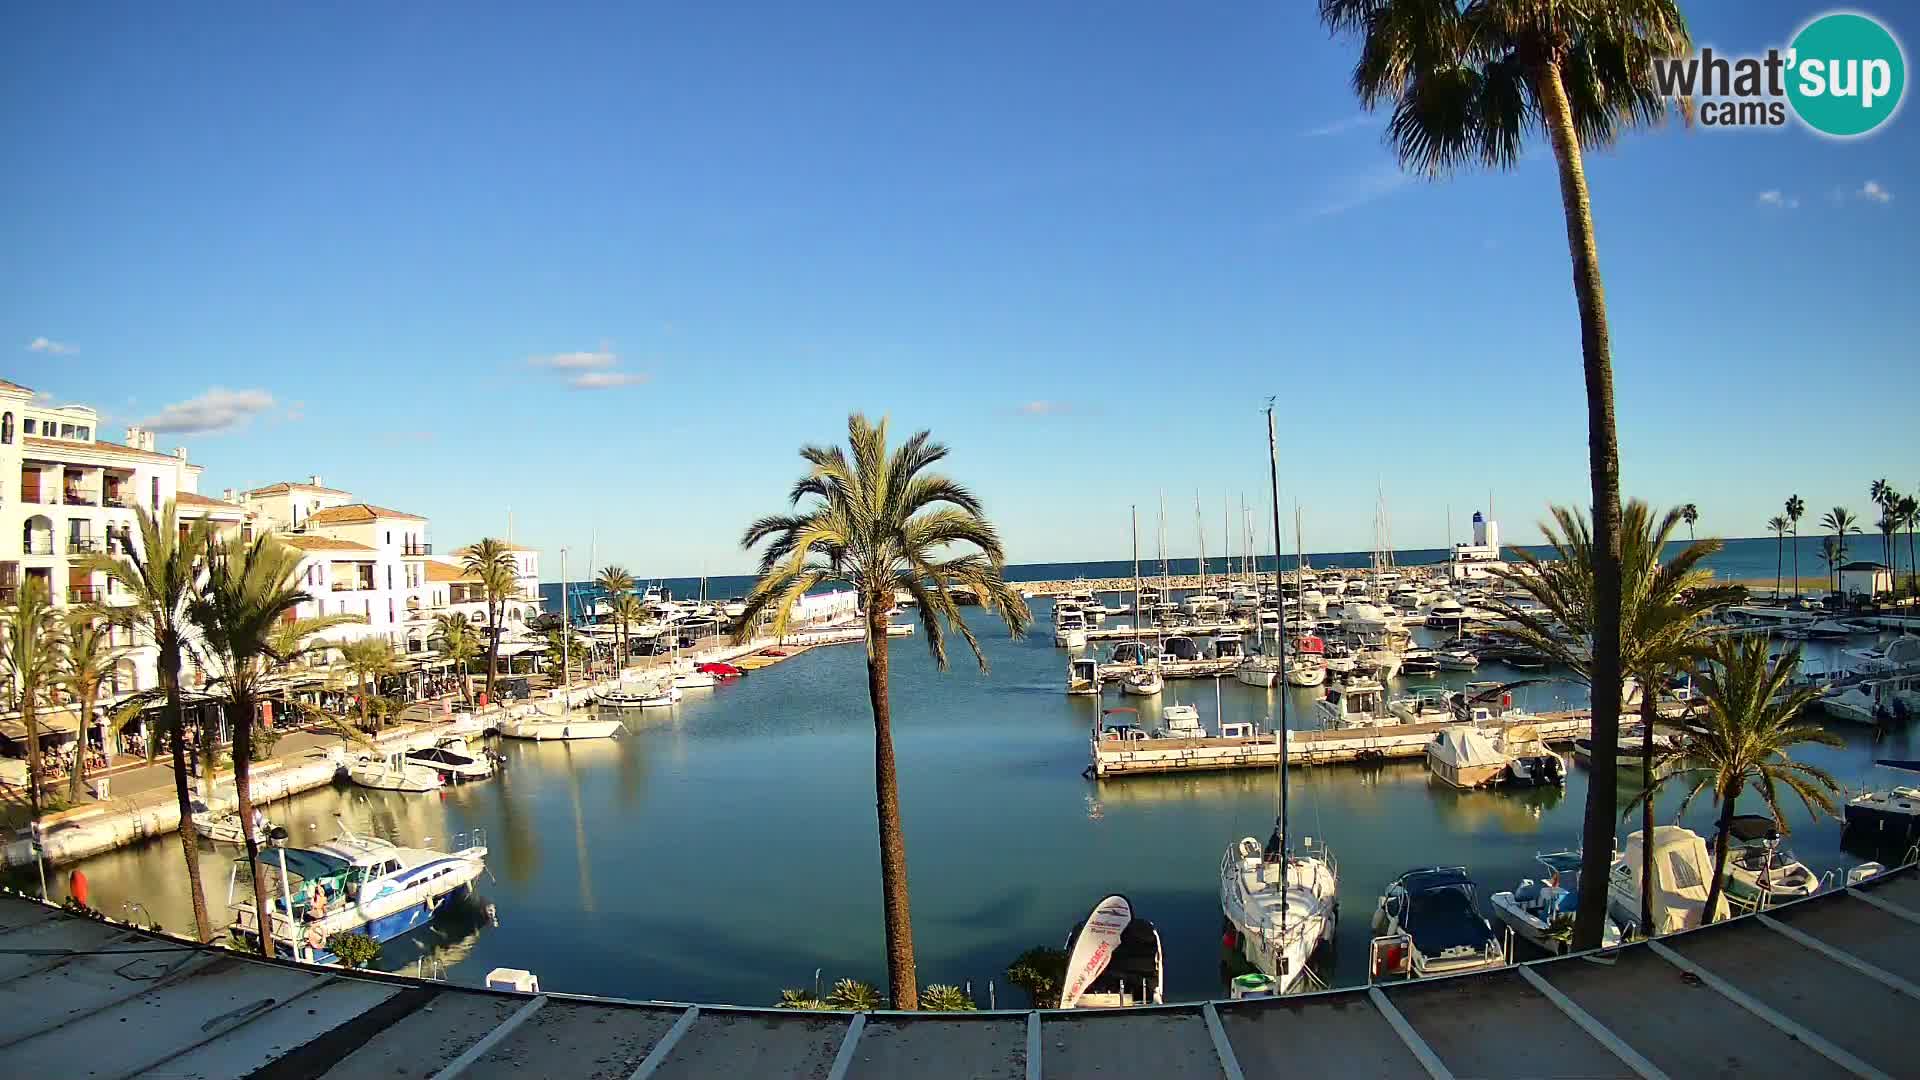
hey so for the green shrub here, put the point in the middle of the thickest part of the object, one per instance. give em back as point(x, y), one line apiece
point(1039, 971)
point(354, 950)
point(942, 998)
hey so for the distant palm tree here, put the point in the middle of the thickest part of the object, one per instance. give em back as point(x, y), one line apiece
point(1841, 521)
point(1888, 500)
point(1468, 84)
point(1778, 523)
point(459, 646)
point(1689, 514)
point(159, 577)
point(614, 582)
point(1796, 506)
point(31, 658)
point(1750, 721)
point(368, 659)
point(1663, 604)
point(629, 612)
point(86, 666)
point(881, 522)
point(252, 588)
point(492, 562)
point(1909, 511)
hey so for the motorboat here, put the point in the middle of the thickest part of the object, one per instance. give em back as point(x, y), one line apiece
point(1133, 653)
point(1541, 912)
point(1143, 682)
point(1181, 722)
point(351, 884)
point(1527, 660)
point(1355, 703)
point(1434, 911)
point(1083, 676)
point(720, 670)
point(548, 727)
point(1281, 909)
point(1423, 707)
point(636, 694)
point(1873, 701)
point(1069, 628)
point(1259, 671)
point(1419, 664)
point(1682, 869)
point(1180, 647)
point(1339, 658)
point(1630, 752)
point(1368, 619)
point(693, 680)
point(1889, 815)
point(1227, 647)
point(1114, 960)
point(1446, 614)
point(392, 772)
point(1760, 873)
point(1533, 767)
point(224, 826)
point(1456, 659)
point(456, 760)
point(1464, 756)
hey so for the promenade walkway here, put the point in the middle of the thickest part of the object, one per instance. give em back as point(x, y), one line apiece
point(1827, 986)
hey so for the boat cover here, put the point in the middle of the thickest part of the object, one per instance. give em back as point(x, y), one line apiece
point(1440, 912)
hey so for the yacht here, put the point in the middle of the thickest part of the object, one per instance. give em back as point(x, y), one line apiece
point(1132, 653)
point(1759, 871)
point(1114, 959)
point(1419, 664)
point(223, 826)
point(1435, 909)
point(1069, 628)
point(1083, 676)
point(1891, 813)
point(1355, 703)
point(351, 884)
point(1259, 670)
point(1179, 647)
point(1447, 614)
point(1281, 909)
point(1630, 751)
point(1681, 870)
point(1542, 912)
point(1306, 669)
point(1339, 658)
point(392, 772)
point(1456, 660)
point(1873, 701)
point(1227, 647)
point(455, 760)
point(1368, 619)
point(1423, 707)
point(1181, 722)
point(541, 726)
point(1143, 682)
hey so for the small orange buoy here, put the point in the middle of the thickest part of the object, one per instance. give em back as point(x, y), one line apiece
point(77, 886)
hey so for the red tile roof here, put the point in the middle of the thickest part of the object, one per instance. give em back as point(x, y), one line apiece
point(356, 514)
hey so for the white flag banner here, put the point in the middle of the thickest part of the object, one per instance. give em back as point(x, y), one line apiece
point(1093, 949)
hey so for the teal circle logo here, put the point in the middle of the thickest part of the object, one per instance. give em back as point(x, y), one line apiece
point(1846, 74)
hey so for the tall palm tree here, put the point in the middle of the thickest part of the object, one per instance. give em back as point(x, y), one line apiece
point(1796, 506)
point(31, 659)
point(367, 659)
point(616, 584)
point(629, 612)
point(1689, 513)
point(1888, 500)
point(86, 665)
point(252, 587)
point(1749, 723)
point(1778, 523)
point(491, 561)
point(1468, 83)
point(460, 648)
point(160, 576)
point(1661, 629)
point(879, 520)
point(1840, 521)
point(1909, 511)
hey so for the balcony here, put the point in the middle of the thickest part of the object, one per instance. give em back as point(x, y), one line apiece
point(82, 545)
point(79, 498)
point(85, 595)
point(416, 548)
point(37, 546)
point(117, 502)
point(8, 594)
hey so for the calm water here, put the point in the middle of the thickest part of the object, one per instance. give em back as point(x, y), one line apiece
point(728, 847)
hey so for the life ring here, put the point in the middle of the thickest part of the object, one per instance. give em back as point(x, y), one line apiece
point(316, 941)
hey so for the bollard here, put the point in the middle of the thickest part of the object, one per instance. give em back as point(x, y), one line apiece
point(77, 887)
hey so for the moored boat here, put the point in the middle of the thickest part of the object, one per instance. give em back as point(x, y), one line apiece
point(1433, 915)
point(1541, 912)
point(1114, 959)
point(392, 772)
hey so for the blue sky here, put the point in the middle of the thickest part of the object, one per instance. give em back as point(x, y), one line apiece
point(1082, 249)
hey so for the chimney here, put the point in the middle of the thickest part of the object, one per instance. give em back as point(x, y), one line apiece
point(229, 495)
point(139, 438)
point(314, 480)
point(180, 452)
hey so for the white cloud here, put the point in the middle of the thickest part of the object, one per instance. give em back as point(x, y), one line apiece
point(219, 409)
point(1045, 408)
point(1778, 201)
point(1338, 126)
point(1361, 190)
point(51, 347)
point(1873, 192)
point(577, 361)
point(606, 380)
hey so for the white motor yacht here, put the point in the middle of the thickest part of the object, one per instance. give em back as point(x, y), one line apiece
point(1181, 722)
point(1873, 701)
point(1070, 628)
point(1355, 703)
point(223, 826)
point(1423, 707)
point(392, 772)
point(1456, 659)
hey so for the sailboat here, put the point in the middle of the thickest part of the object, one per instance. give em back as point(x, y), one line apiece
point(1281, 906)
point(543, 726)
point(1145, 680)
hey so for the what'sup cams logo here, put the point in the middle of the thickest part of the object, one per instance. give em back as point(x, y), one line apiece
point(1843, 76)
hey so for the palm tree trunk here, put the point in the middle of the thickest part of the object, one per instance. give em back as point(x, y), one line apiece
point(1796, 558)
point(243, 792)
point(361, 686)
point(1649, 712)
point(1603, 464)
point(902, 982)
point(1913, 567)
point(1779, 555)
point(77, 784)
point(189, 835)
point(32, 725)
point(493, 649)
point(1720, 833)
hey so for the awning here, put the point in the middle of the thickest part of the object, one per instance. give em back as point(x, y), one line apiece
point(65, 722)
point(518, 648)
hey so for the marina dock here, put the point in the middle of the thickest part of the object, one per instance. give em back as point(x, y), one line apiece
point(1822, 986)
point(1304, 748)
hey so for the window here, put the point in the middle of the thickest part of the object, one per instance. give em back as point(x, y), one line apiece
point(6, 428)
point(389, 537)
point(156, 495)
point(390, 609)
point(30, 425)
point(84, 433)
point(1683, 872)
point(66, 431)
point(389, 572)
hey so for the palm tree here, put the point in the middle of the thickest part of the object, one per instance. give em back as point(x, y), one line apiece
point(1909, 511)
point(460, 648)
point(1751, 719)
point(1778, 523)
point(367, 659)
point(1468, 83)
point(629, 612)
point(1690, 514)
point(252, 588)
point(617, 584)
point(491, 561)
point(1888, 500)
point(159, 577)
point(1841, 521)
point(881, 522)
point(32, 658)
point(86, 665)
point(1661, 628)
point(1795, 507)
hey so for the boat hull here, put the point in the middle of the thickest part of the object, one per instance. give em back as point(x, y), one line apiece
point(560, 730)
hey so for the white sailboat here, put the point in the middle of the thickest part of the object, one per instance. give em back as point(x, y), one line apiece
point(538, 725)
point(1281, 906)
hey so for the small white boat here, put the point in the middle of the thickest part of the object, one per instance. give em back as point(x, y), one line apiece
point(1259, 671)
point(1114, 959)
point(1456, 660)
point(1760, 872)
point(392, 772)
point(223, 827)
point(1872, 701)
point(1069, 627)
point(1423, 707)
point(456, 760)
point(693, 680)
point(1354, 704)
point(1143, 682)
point(1444, 933)
point(1541, 912)
point(1083, 676)
point(1181, 722)
point(545, 727)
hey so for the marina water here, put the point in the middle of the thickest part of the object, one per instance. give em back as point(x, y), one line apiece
point(726, 848)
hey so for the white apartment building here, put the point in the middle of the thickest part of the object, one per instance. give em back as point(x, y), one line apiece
point(359, 559)
point(451, 590)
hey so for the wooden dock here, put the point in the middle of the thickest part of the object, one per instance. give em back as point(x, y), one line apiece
point(1304, 748)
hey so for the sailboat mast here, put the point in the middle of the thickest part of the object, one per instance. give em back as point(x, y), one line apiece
point(566, 636)
point(1134, 513)
point(1280, 824)
point(1200, 527)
